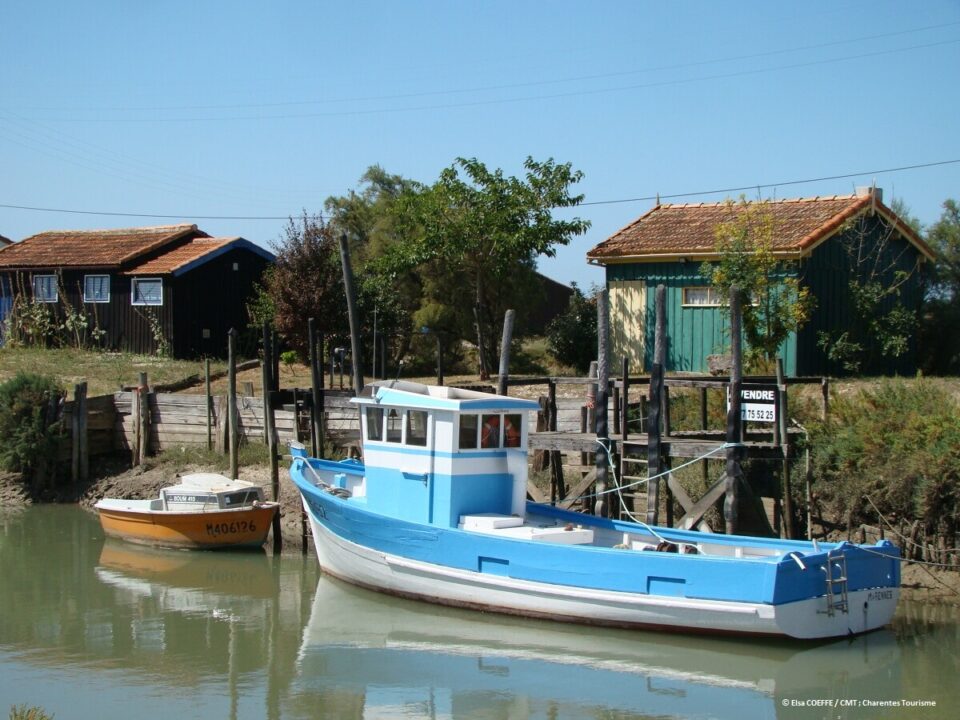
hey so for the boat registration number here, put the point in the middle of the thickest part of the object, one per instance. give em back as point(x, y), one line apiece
point(231, 528)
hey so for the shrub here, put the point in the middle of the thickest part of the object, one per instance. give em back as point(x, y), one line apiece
point(28, 411)
point(893, 449)
point(572, 335)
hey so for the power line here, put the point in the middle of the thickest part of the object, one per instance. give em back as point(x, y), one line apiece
point(742, 188)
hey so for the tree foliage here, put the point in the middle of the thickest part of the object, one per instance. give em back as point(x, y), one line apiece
point(306, 281)
point(475, 235)
point(572, 335)
point(28, 411)
point(940, 342)
point(775, 303)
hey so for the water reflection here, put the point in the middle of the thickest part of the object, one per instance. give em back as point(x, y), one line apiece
point(415, 660)
point(105, 629)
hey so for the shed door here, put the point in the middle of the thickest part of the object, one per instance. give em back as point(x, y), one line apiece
point(628, 314)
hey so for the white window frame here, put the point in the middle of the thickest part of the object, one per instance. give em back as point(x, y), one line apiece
point(713, 297)
point(133, 290)
point(37, 297)
point(87, 298)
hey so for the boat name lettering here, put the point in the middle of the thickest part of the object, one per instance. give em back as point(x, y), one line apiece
point(230, 528)
point(880, 595)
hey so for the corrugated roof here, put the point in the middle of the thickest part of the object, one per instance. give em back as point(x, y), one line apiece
point(689, 230)
point(91, 248)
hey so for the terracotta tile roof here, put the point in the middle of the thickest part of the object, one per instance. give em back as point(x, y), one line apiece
point(180, 256)
point(91, 248)
point(688, 230)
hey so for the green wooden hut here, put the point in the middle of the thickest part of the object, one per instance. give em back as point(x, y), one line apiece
point(826, 242)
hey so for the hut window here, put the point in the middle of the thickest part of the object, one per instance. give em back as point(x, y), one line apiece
point(490, 433)
point(394, 426)
point(511, 431)
point(468, 431)
point(147, 291)
point(374, 423)
point(701, 297)
point(96, 288)
point(45, 288)
point(417, 428)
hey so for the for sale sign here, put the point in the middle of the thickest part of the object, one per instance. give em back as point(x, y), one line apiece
point(758, 403)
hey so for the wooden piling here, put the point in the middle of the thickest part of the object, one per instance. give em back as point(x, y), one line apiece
point(356, 356)
point(316, 389)
point(209, 397)
point(734, 421)
point(784, 442)
point(79, 456)
point(233, 430)
point(143, 419)
point(505, 353)
point(601, 507)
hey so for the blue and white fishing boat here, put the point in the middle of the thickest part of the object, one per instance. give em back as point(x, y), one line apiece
point(438, 511)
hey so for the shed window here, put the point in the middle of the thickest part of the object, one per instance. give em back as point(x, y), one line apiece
point(468, 431)
point(147, 291)
point(394, 426)
point(96, 288)
point(417, 428)
point(701, 297)
point(45, 288)
point(374, 423)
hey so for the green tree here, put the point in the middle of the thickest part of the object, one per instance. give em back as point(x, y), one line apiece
point(775, 303)
point(367, 216)
point(572, 335)
point(475, 234)
point(941, 350)
point(306, 281)
point(28, 423)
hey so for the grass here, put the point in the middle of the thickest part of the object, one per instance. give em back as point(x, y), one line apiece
point(104, 372)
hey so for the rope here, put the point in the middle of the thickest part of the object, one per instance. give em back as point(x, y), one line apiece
point(900, 535)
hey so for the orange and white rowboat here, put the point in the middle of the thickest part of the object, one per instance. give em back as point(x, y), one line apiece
point(204, 511)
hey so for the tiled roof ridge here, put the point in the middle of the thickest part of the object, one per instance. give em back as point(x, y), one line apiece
point(149, 229)
point(770, 201)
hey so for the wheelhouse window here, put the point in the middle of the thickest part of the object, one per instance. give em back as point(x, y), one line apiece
point(45, 288)
point(96, 288)
point(511, 431)
point(490, 432)
point(469, 425)
point(374, 423)
point(417, 427)
point(394, 426)
point(701, 297)
point(147, 291)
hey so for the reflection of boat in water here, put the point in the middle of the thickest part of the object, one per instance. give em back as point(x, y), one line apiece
point(215, 584)
point(203, 511)
point(390, 654)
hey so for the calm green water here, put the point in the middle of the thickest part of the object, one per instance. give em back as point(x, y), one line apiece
point(95, 629)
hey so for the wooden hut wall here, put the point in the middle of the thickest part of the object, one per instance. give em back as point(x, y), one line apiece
point(211, 299)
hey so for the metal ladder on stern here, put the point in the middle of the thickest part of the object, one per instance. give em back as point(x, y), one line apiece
point(835, 570)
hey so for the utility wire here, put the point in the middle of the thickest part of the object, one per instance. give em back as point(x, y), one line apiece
point(595, 202)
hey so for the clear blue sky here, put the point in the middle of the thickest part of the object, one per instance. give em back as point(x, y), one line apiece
point(192, 109)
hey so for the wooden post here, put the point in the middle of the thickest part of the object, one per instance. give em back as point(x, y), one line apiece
point(734, 421)
point(625, 400)
point(657, 400)
point(505, 352)
point(357, 357)
point(143, 411)
point(316, 387)
point(704, 467)
point(601, 506)
point(785, 448)
point(482, 355)
point(269, 405)
point(233, 442)
point(135, 419)
point(824, 398)
point(80, 464)
point(246, 389)
point(206, 385)
point(439, 359)
point(266, 381)
point(660, 353)
point(557, 481)
point(654, 458)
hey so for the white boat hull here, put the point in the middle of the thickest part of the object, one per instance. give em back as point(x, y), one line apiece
point(805, 619)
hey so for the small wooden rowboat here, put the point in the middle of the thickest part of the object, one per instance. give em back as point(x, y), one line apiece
point(204, 511)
